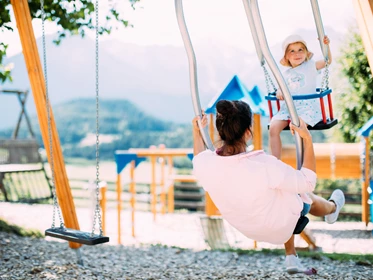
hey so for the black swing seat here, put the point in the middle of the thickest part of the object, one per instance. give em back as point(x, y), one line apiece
point(301, 224)
point(320, 125)
point(76, 236)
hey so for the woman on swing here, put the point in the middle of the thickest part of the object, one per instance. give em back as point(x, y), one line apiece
point(256, 193)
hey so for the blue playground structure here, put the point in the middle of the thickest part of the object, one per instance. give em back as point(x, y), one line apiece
point(367, 176)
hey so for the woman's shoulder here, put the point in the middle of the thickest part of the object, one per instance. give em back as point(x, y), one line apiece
point(258, 155)
point(204, 155)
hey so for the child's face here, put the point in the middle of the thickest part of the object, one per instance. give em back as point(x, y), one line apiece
point(296, 54)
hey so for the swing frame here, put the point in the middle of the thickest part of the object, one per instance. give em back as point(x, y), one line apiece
point(47, 125)
point(62, 232)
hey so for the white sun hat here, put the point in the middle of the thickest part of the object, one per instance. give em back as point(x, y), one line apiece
point(291, 40)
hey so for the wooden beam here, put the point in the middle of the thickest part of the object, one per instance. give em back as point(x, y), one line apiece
point(212, 128)
point(364, 17)
point(35, 73)
point(211, 209)
point(133, 195)
point(119, 206)
point(366, 183)
point(257, 133)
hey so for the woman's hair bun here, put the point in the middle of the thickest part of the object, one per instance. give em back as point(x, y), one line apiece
point(225, 107)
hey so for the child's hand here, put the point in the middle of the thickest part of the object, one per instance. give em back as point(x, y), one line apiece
point(326, 40)
point(279, 94)
point(203, 122)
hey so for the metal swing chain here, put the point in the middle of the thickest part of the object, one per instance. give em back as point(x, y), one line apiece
point(325, 78)
point(268, 80)
point(55, 200)
point(97, 213)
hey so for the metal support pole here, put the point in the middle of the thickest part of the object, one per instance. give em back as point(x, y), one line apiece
point(192, 70)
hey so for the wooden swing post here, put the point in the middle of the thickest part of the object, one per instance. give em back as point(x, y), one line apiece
point(257, 133)
point(35, 72)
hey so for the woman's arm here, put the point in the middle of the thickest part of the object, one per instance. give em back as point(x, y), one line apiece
point(287, 178)
point(309, 160)
point(198, 144)
point(320, 64)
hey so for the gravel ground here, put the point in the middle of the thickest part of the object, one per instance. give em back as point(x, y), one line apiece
point(30, 258)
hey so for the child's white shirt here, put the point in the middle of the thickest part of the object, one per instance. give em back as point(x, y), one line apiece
point(302, 80)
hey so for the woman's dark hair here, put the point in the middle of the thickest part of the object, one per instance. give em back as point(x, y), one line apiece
point(233, 118)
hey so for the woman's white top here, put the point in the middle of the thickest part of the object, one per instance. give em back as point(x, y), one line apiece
point(255, 192)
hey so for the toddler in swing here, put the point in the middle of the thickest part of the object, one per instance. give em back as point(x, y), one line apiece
point(301, 78)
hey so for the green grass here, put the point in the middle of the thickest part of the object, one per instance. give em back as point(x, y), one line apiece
point(9, 228)
point(80, 161)
point(358, 259)
point(365, 260)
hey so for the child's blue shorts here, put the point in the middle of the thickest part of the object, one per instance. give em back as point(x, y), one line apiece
point(306, 209)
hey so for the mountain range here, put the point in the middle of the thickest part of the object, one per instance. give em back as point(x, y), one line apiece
point(155, 78)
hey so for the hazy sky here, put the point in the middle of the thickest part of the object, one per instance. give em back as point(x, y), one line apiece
point(212, 21)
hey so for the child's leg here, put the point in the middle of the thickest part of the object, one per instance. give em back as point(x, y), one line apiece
point(274, 136)
point(320, 206)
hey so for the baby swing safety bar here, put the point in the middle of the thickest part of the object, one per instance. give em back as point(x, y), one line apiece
point(326, 123)
point(61, 232)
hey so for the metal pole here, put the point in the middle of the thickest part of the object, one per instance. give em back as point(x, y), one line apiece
point(192, 70)
point(278, 76)
point(320, 28)
point(249, 15)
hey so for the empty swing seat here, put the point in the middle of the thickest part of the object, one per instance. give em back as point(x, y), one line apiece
point(325, 123)
point(76, 236)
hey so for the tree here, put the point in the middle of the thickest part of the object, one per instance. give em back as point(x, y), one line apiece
point(74, 16)
point(356, 102)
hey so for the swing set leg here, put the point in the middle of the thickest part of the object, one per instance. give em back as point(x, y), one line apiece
point(307, 236)
point(79, 256)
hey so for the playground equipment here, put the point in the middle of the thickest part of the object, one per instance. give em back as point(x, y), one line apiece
point(63, 232)
point(22, 174)
point(263, 52)
point(23, 19)
point(22, 98)
point(236, 90)
point(211, 222)
point(48, 129)
point(253, 14)
point(328, 120)
point(260, 40)
point(338, 161)
point(367, 187)
point(134, 157)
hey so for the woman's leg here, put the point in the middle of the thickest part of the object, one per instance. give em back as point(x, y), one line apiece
point(320, 206)
point(290, 247)
point(274, 136)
